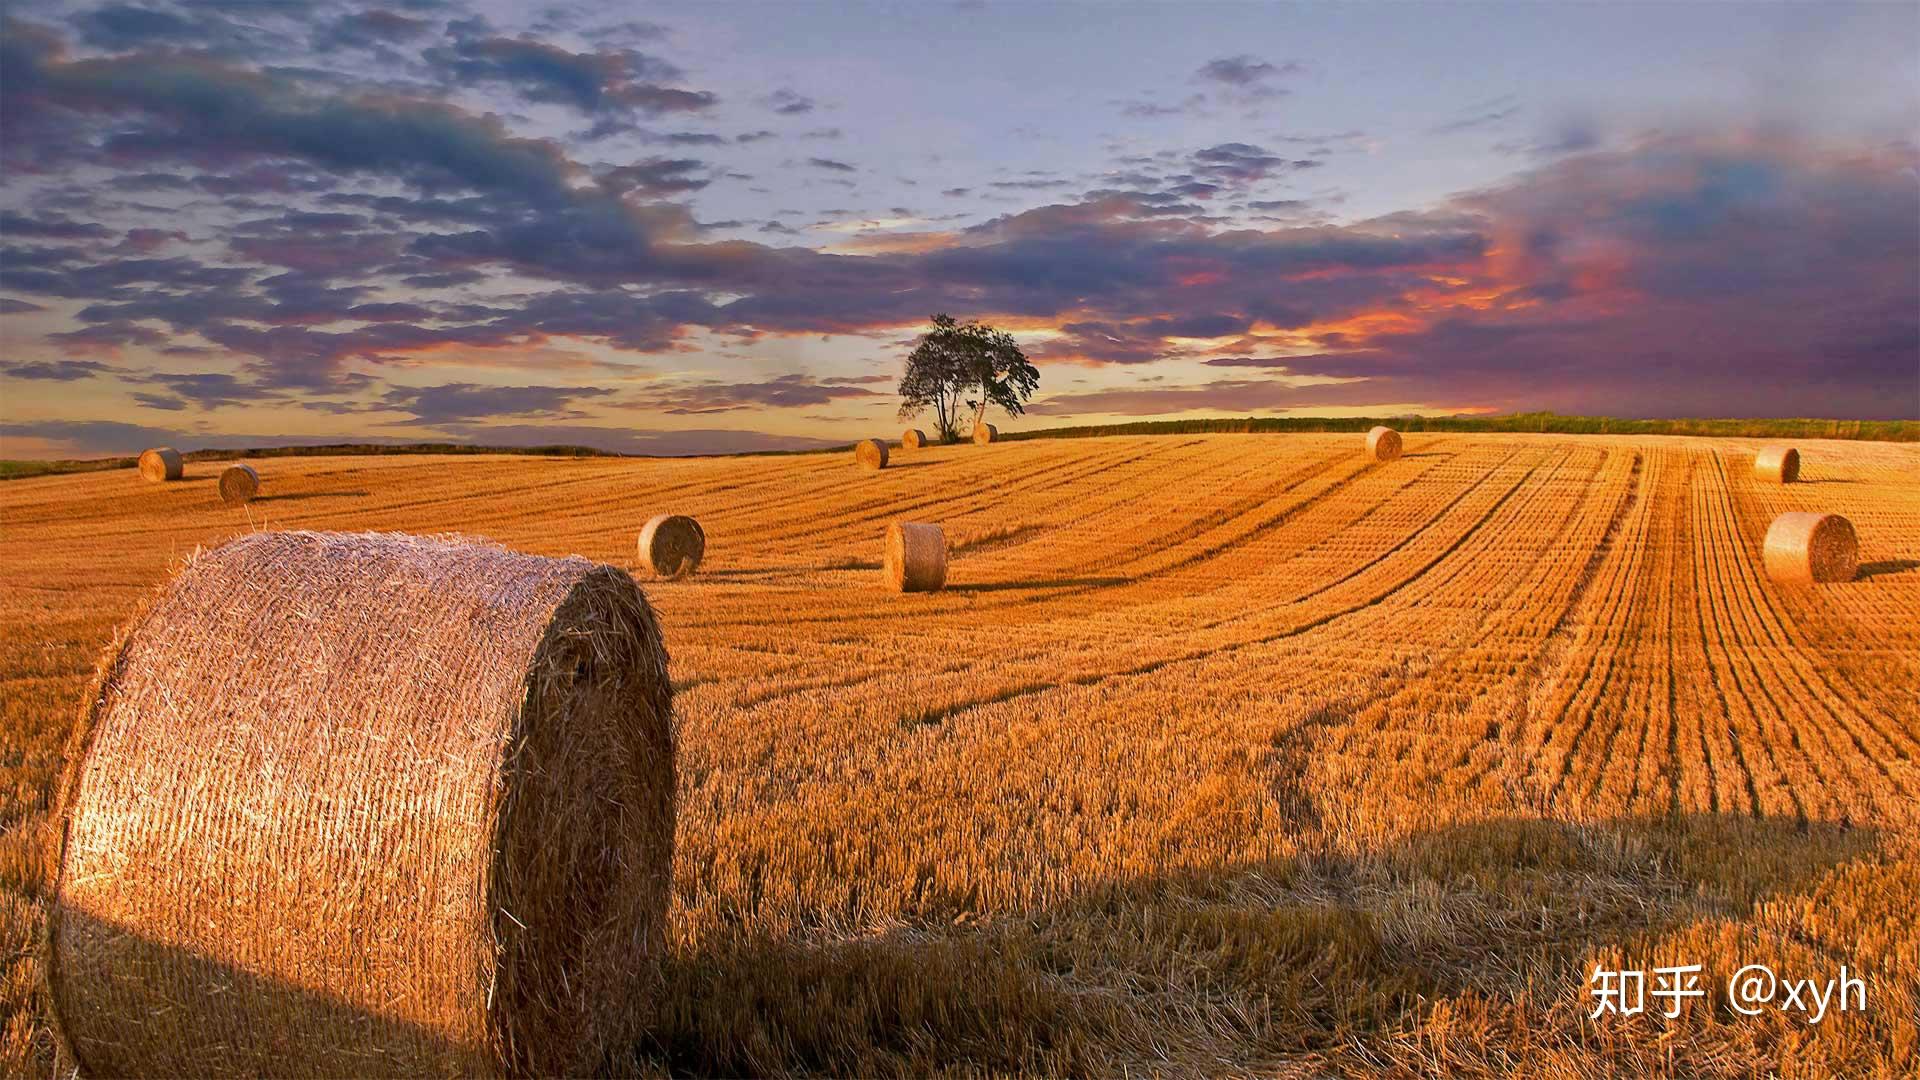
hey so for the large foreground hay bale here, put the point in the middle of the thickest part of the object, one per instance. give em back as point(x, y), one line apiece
point(1777, 465)
point(672, 545)
point(347, 805)
point(985, 433)
point(913, 439)
point(1383, 444)
point(916, 559)
point(1807, 548)
point(871, 453)
point(162, 463)
point(238, 484)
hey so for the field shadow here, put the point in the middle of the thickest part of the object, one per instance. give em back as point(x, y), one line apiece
point(1887, 566)
point(1055, 583)
point(1427, 453)
point(892, 465)
point(1223, 969)
point(262, 1020)
point(299, 496)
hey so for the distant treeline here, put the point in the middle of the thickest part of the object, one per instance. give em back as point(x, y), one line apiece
point(1876, 430)
point(15, 470)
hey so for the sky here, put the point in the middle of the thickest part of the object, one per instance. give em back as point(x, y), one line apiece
point(694, 228)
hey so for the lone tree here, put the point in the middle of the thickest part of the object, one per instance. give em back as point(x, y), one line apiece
point(954, 360)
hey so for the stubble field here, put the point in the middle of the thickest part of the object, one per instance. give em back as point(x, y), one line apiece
point(1221, 754)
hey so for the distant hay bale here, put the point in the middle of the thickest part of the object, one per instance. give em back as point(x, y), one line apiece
point(871, 453)
point(1777, 465)
point(1383, 444)
point(161, 463)
point(371, 804)
point(916, 559)
point(985, 433)
point(1809, 548)
point(913, 439)
point(672, 545)
point(238, 484)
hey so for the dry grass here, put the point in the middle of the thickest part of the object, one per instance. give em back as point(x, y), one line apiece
point(1222, 754)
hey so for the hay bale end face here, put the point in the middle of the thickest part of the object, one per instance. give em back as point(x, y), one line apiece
point(1777, 465)
point(1811, 549)
point(913, 439)
point(352, 805)
point(916, 557)
point(1383, 444)
point(238, 484)
point(162, 463)
point(672, 545)
point(985, 433)
point(871, 454)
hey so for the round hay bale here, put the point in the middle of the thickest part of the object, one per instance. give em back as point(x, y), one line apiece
point(871, 453)
point(672, 545)
point(1777, 465)
point(1808, 548)
point(1383, 444)
point(913, 439)
point(916, 559)
point(985, 433)
point(367, 804)
point(162, 463)
point(238, 484)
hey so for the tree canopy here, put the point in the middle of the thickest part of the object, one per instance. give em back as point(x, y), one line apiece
point(971, 362)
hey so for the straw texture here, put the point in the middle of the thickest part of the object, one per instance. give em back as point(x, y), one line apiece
point(913, 439)
point(1383, 444)
point(238, 484)
point(672, 545)
point(871, 453)
point(916, 559)
point(162, 463)
point(985, 433)
point(1777, 465)
point(1808, 549)
point(367, 804)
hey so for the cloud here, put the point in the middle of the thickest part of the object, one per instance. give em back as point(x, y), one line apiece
point(51, 227)
point(1481, 115)
point(1244, 70)
point(589, 82)
point(789, 103)
point(450, 403)
point(1148, 109)
point(1246, 79)
point(55, 370)
point(656, 177)
point(369, 30)
point(781, 392)
point(830, 164)
point(1238, 163)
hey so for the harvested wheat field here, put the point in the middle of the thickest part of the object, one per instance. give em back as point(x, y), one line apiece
point(1217, 754)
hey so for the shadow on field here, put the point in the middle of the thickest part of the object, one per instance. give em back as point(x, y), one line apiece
point(1056, 583)
point(298, 496)
point(1228, 969)
point(262, 1020)
point(1888, 566)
